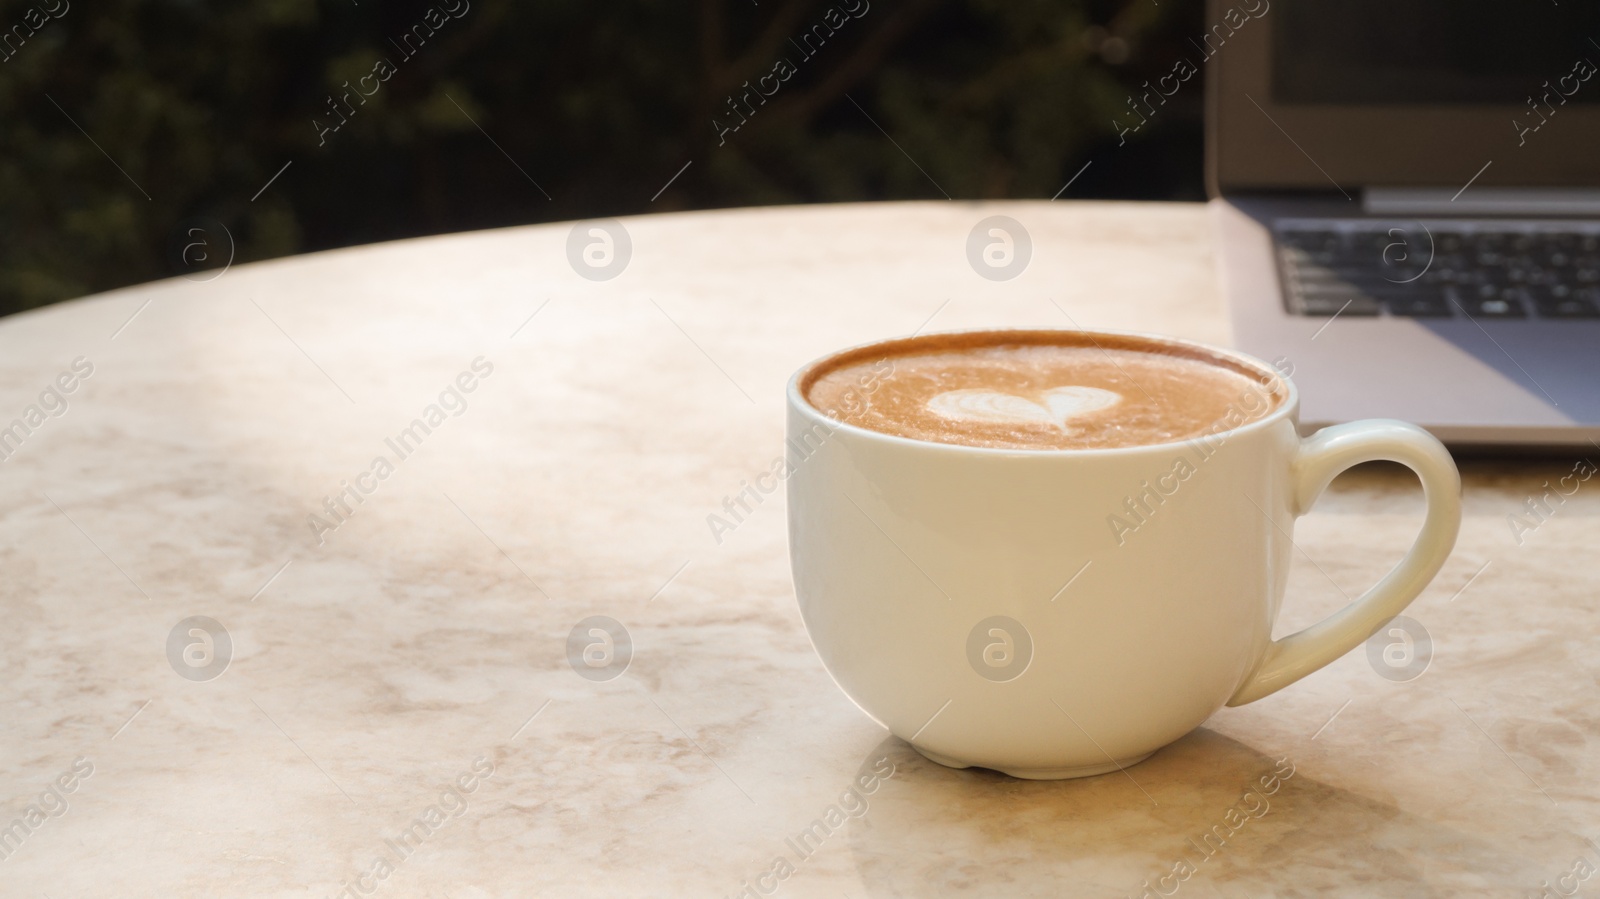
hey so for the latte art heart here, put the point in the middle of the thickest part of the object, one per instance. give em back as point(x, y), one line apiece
point(1059, 405)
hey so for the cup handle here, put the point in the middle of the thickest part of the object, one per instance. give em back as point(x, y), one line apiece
point(1321, 457)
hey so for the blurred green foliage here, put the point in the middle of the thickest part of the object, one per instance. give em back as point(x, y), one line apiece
point(125, 122)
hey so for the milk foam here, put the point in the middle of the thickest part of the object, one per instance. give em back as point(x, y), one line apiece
point(1041, 395)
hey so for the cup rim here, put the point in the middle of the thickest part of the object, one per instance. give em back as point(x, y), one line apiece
point(1289, 408)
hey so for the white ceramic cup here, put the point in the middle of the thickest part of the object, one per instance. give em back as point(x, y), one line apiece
point(1062, 613)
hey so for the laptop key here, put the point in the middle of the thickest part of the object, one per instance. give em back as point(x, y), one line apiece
point(1347, 303)
point(1495, 309)
point(1401, 273)
point(1419, 308)
point(1316, 278)
point(1559, 301)
point(1459, 275)
point(1569, 309)
point(1419, 303)
point(1505, 302)
point(1319, 239)
point(1298, 257)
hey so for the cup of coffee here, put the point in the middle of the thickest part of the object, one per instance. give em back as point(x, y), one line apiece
point(1051, 553)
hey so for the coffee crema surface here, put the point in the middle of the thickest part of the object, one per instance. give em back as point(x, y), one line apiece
point(1040, 391)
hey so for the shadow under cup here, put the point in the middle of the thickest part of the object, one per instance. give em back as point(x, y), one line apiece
point(1061, 613)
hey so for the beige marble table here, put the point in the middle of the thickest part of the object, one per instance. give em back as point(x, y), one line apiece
point(398, 714)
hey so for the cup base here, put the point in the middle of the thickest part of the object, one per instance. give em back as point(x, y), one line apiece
point(1039, 773)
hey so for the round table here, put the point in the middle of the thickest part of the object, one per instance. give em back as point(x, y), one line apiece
point(393, 570)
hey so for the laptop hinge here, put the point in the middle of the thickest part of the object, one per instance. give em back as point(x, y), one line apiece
point(1539, 201)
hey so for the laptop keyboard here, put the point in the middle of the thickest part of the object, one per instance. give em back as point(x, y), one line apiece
point(1440, 269)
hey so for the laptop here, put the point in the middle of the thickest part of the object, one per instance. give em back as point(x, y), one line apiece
point(1406, 200)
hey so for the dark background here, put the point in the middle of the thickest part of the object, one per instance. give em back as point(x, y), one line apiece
point(199, 104)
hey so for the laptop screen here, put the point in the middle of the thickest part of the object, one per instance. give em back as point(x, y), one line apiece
point(1340, 95)
point(1398, 52)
